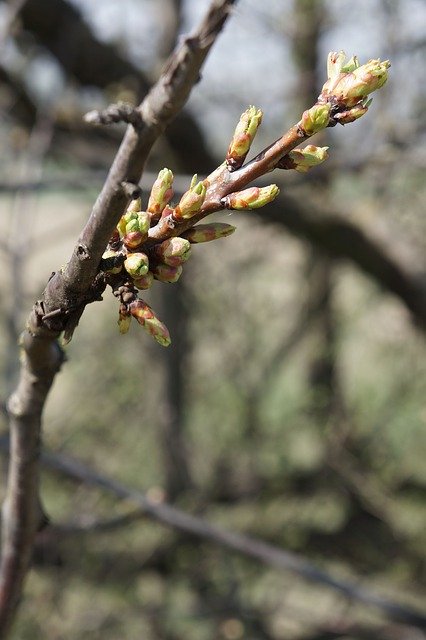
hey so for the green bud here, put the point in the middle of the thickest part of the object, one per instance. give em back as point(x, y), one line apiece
point(173, 251)
point(124, 320)
point(309, 156)
point(336, 64)
point(134, 221)
point(243, 137)
point(208, 232)
point(251, 198)
point(352, 87)
point(191, 201)
point(144, 282)
point(350, 115)
point(136, 264)
point(134, 206)
point(161, 193)
point(315, 119)
point(109, 259)
point(134, 239)
point(166, 273)
point(146, 317)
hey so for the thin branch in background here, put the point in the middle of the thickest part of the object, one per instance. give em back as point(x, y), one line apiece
point(248, 546)
point(12, 12)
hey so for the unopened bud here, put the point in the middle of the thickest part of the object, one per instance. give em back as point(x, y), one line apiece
point(309, 156)
point(191, 201)
point(208, 232)
point(112, 262)
point(134, 239)
point(150, 322)
point(315, 119)
point(134, 205)
point(124, 320)
point(350, 115)
point(166, 273)
point(251, 198)
point(144, 282)
point(136, 264)
point(243, 137)
point(173, 251)
point(335, 62)
point(161, 193)
point(352, 87)
point(134, 221)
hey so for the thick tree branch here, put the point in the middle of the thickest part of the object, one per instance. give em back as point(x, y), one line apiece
point(341, 239)
point(65, 297)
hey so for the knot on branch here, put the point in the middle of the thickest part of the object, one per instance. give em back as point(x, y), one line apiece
point(115, 113)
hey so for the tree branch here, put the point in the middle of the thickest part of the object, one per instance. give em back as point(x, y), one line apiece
point(68, 292)
point(341, 239)
point(245, 545)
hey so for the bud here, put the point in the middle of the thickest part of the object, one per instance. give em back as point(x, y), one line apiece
point(144, 282)
point(161, 193)
point(166, 273)
point(134, 221)
point(244, 134)
point(191, 201)
point(134, 205)
point(350, 115)
point(251, 198)
point(309, 156)
point(149, 321)
point(352, 87)
point(136, 264)
point(315, 119)
point(124, 320)
point(208, 232)
point(335, 62)
point(112, 261)
point(173, 251)
point(134, 239)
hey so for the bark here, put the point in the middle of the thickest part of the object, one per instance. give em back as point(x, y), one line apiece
point(64, 300)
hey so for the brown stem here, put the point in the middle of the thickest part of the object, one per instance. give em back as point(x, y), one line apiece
point(21, 513)
point(68, 292)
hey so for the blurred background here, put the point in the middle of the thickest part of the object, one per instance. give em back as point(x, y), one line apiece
point(291, 404)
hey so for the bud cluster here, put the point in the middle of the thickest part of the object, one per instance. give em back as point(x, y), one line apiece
point(154, 244)
point(345, 96)
point(130, 264)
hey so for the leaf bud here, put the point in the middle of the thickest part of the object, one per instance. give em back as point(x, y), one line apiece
point(191, 201)
point(146, 317)
point(251, 198)
point(144, 282)
point(173, 251)
point(309, 156)
point(166, 273)
point(161, 193)
point(136, 264)
point(315, 119)
point(208, 232)
point(243, 137)
point(134, 239)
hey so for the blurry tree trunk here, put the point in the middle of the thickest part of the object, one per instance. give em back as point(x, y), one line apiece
point(308, 19)
point(172, 440)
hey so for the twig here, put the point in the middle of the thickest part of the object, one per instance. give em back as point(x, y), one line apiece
point(120, 112)
point(69, 291)
point(245, 545)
